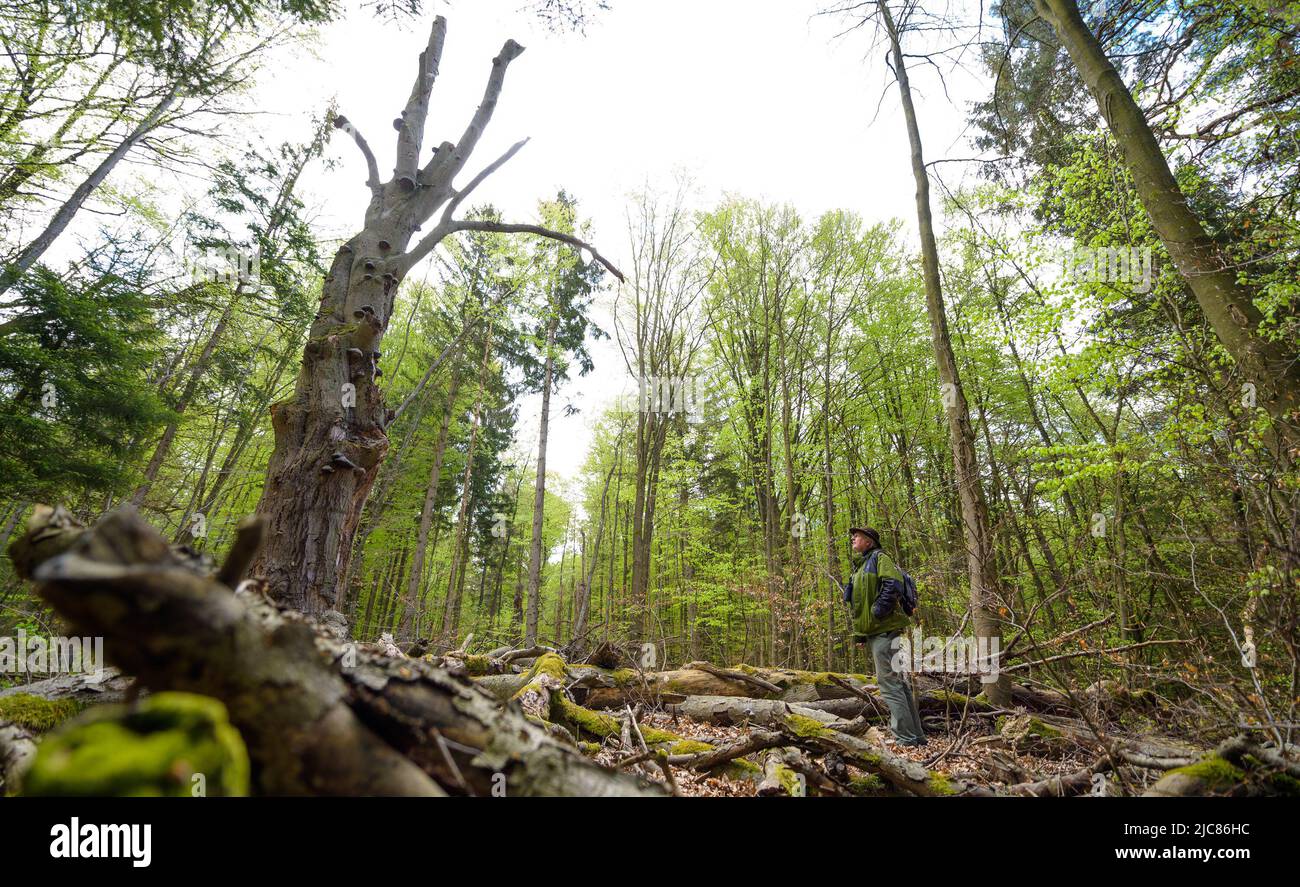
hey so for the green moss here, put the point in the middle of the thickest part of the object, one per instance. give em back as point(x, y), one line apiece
point(789, 780)
point(624, 677)
point(940, 784)
point(951, 697)
point(689, 747)
point(868, 784)
point(36, 713)
point(154, 749)
point(1214, 771)
point(805, 727)
point(1283, 784)
point(477, 666)
point(589, 748)
point(741, 768)
point(1023, 725)
point(547, 664)
point(583, 720)
point(655, 736)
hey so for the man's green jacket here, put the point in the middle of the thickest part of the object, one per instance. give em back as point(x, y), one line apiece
point(862, 591)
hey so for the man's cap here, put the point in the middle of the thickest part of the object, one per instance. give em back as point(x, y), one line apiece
point(868, 532)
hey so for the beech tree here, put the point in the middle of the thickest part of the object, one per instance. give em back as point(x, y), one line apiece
point(1268, 367)
point(329, 435)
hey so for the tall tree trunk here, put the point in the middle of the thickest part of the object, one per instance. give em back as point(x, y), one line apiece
point(1271, 367)
point(427, 513)
point(449, 626)
point(196, 373)
point(974, 509)
point(539, 494)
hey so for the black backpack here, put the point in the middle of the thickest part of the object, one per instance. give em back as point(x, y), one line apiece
point(908, 600)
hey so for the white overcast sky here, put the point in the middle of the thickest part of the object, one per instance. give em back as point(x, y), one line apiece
point(755, 98)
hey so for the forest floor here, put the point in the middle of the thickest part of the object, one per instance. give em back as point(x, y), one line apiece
point(959, 754)
point(372, 719)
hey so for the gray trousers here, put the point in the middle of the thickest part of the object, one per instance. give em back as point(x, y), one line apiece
point(904, 717)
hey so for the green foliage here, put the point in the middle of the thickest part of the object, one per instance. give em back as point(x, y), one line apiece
point(73, 384)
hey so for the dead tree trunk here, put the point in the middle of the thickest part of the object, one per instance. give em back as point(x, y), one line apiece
point(329, 435)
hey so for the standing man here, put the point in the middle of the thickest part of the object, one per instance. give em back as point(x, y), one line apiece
point(874, 592)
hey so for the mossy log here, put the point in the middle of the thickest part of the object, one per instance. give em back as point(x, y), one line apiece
point(1078, 783)
point(740, 710)
point(901, 773)
point(36, 713)
point(731, 711)
point(778, 779)
point(616, 688)
point(1237, 768)
point(319, 716)
point(168, 745)
point(108, 686)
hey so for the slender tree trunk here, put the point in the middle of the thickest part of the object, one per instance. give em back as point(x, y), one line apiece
point(197, 371)
point(539, 495)
point(34, 250)
point(450, 622)
point(427, 513)
point(974, 509)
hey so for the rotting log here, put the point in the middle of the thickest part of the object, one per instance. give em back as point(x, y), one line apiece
point(320, 716)
point(86, 688)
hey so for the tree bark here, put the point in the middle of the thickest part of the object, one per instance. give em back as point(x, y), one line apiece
point(974, 509)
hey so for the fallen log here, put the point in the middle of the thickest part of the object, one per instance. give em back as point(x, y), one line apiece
point(319, 715)
point(741, 710)
point(1236, 768)
point(85, 688)
point(778, 779)
point(903, 774)
point(1060, 786)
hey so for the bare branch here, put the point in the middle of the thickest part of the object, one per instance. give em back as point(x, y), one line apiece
point(433, 368)
point(478, 179)
point(372, 168)
point(465, 147)
point(506, 228)
point(410, 126)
